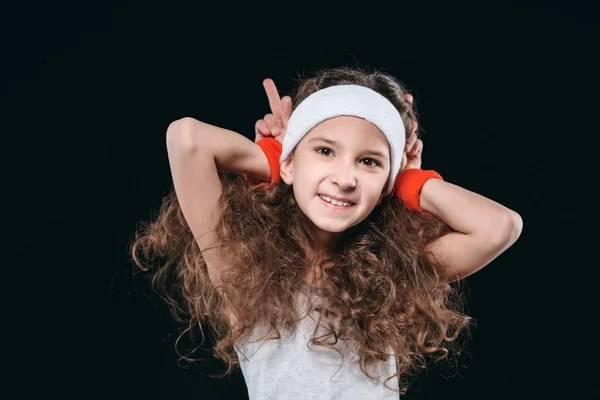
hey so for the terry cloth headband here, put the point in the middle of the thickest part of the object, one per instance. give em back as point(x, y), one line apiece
point(348, 100)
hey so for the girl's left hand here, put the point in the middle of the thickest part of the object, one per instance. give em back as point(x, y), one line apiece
point(412, 156)
point(413, 149)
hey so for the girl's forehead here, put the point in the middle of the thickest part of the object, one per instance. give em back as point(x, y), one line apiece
point(347, 130)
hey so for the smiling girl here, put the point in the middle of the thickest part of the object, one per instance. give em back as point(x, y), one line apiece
point(321, 255)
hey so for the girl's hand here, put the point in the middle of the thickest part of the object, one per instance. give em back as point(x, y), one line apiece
point(274, 124)
point(412, 155)
point(413, 149)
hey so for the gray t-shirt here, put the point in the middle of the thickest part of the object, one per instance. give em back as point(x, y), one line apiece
point(292, 368)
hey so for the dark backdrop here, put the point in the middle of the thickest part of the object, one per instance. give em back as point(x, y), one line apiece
point(507, 97)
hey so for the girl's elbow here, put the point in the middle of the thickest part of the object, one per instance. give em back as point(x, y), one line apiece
point(517, 225)
point(180, 133)
point(513, 226)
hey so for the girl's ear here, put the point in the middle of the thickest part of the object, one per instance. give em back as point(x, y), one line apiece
point(285, 170)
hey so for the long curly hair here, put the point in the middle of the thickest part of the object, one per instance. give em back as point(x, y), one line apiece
point(382, 288)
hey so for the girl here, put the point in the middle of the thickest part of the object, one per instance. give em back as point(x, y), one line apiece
point(321, 255)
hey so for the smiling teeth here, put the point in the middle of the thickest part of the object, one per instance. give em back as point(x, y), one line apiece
point(336, 202)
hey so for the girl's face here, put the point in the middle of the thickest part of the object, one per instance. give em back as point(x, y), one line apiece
point(342, 160)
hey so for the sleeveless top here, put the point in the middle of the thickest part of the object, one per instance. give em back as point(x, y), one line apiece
point(292, 368)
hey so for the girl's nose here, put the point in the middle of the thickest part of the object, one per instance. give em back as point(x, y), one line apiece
point(344, 178)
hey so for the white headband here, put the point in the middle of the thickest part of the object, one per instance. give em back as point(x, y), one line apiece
point(350, 100)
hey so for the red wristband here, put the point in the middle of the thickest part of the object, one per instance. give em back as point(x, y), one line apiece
point(272, 149)
point(409, 184)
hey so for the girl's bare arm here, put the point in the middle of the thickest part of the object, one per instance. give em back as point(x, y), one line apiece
point(196, 151)
point(484, 228)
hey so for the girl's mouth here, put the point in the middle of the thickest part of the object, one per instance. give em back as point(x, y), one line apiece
point(335, 204)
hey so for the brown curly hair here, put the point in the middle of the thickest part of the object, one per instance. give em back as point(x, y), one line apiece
point(382, 288)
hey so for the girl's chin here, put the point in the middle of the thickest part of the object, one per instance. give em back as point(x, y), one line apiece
point(332, 228)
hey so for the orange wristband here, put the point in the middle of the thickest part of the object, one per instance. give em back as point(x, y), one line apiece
point(272, 149)
point(409, 184)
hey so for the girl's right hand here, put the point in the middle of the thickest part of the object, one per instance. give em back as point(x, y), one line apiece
point(274, 124)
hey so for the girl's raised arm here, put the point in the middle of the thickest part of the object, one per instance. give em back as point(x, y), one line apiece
point(196, 152)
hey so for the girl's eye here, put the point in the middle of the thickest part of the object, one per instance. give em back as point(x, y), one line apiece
point(372, 163)
point(324, 151)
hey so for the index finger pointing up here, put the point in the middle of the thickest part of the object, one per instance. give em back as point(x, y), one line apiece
point(273, 96)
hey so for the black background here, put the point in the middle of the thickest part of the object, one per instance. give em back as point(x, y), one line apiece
point(507, 96)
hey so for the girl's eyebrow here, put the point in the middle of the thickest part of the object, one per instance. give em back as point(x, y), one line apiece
point(334, 143)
